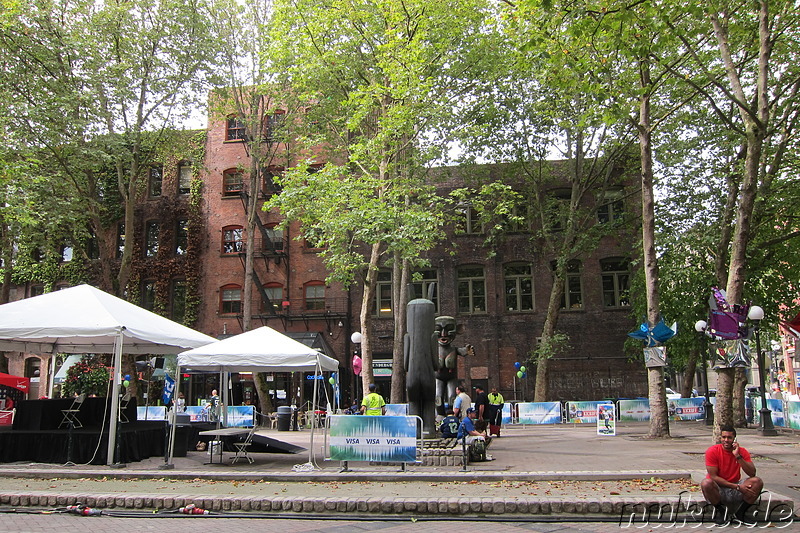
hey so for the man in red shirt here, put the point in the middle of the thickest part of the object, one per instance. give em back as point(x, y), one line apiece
point(723, 485)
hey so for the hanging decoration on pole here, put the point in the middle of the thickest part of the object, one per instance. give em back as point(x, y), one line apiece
point(655, 353)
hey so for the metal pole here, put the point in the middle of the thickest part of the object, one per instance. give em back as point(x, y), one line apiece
point(767, 427)
point(707, 405)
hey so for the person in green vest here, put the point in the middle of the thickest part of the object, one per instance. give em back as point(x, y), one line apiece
point(495, 412)
point(373, 403)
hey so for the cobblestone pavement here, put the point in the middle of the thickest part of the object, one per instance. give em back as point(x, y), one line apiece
point(59, 523)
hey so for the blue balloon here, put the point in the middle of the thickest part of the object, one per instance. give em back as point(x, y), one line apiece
point(524, 375)
point(517, 365)
point(127, 376)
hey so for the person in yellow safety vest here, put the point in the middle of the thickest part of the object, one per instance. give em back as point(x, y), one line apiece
point(495, 411)
point(373, 403)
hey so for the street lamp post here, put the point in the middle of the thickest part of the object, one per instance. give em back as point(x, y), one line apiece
point(356, 339)
point(708, 407)
point(756, 314)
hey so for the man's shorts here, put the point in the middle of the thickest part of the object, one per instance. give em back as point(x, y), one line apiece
point(728, 495)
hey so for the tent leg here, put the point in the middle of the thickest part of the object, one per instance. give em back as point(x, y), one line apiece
point(114, 421)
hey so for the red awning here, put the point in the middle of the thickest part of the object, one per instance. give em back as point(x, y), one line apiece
point(792, 326)
point(15, 381)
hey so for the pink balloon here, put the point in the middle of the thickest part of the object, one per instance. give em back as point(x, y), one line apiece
point(357, 365)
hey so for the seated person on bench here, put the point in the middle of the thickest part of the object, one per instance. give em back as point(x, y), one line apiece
point(449, 425)
point(475, 439)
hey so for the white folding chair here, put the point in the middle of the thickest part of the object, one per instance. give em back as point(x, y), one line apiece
point(242, 446)
point(123, 405)
point(71, 415)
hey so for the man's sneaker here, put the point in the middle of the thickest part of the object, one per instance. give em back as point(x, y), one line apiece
point(720, 515)
point(743, 516)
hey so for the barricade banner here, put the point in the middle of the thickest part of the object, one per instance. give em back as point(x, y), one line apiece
point(151, 412)
point(396, 409)
point(539, 413)
point(197, 413)
point(373, 438)
point(582, 412)
point(606, 419)
point(793, 415)
point(686, 409)
point(241, 416)
point(507, 418)
point(776, 406)
point(634, 410)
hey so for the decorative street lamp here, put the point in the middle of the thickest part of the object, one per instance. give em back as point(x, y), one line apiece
point(356, 338)
point(756, 314)
point(700, 326)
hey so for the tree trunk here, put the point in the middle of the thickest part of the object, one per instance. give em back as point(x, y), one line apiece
point(723, 409)
point(542, 390)
point(738, 398)
point(367, 377)
point(659, 416)
point(400, 271)
point(262, 389)
point(689, 373)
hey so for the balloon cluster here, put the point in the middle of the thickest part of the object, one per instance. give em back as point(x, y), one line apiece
point(522, 372)
point(127, 380)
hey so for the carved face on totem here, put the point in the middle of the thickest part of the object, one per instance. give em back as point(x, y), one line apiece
point(446, 330)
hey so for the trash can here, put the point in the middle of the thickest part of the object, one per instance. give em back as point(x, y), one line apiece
point(284, 418)
point(183, 427)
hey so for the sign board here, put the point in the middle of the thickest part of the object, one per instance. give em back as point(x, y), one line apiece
point(606, 419)
point(373, 438)
point(539, 413)
point(382, 368)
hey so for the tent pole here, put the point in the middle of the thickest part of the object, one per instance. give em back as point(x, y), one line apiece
point(51, 375)
point(317, 374)
point(114, 420)
point(173, 418)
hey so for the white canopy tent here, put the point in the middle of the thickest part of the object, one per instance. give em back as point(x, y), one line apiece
point(258, 350)
point(84, 319)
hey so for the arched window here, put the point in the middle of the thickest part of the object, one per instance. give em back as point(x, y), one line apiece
point(615, 277)
point(274, 292)
point(314, 295)
point(232, 239)
point(518, 280)
point(232, 182)
point(471, 289)
point(230, 299)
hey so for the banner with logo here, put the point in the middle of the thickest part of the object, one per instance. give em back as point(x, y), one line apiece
point(686, 409)
point(373, 438)
point(241, 416)
point(169, 388)
point(507, 418)
point(582, 412)
point(539, 413)
point(776, 406)
point(793, 415)
point(151, 412)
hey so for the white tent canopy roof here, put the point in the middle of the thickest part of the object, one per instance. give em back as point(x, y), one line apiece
point(258, 350)
point(84, 319)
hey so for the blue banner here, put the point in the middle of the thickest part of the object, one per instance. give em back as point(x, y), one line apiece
point(793, 414)
point(539, 413)
point(507, 418)
point(776, 406)
point(373, 438)
point(240, 416)
point(169, 388)
point(686, 409)
point(582, 412)
point(152, 412)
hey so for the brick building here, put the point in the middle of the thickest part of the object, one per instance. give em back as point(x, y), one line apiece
point(190, 244)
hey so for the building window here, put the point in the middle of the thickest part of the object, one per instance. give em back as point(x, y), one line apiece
point(573, 293)
point(120, 239)
point(232, 182)
point(469, 222)
point(421, 281)
point(382, 305)
point(181, 236)
point(37, 290)
point(518, 286)
point(151, 239)
point(274, 126)
point(471, 289)
point(148, 296)
point(66, 254)
point(92, 246)
point(273, 239)
point(156, 180)
point(232, 240)
point(234, 129)
point(269, 185)
point(177, 300)
point(184, 177)
point(314, 295)
point(616, 282)
point(230, 300)
point(274, 292)
point(558, 207)
point(611, 207)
